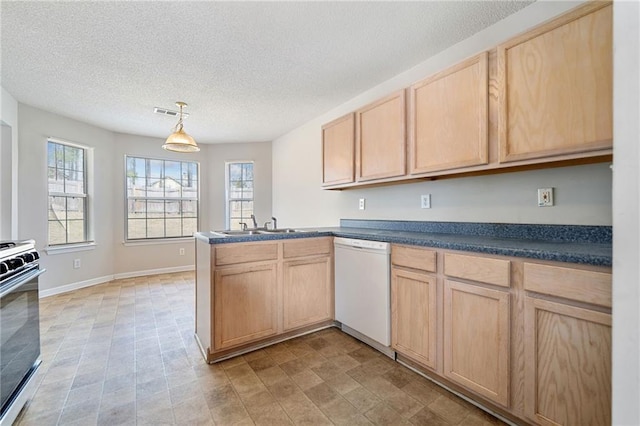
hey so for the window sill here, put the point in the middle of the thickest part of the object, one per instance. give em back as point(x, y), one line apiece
point(71, 248)
point(159, 241)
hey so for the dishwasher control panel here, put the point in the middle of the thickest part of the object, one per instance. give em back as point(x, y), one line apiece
point(350, 242)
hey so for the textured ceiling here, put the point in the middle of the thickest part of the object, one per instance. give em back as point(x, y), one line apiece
point(250, 71)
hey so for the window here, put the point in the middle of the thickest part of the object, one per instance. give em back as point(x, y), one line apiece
point(67, 174)
point(162, 198)
point(239, 194)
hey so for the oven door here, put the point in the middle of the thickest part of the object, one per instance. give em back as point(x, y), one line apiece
point(19, 334)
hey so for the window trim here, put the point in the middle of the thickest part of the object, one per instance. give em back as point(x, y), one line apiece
point(88, 196)
point(227, 191)
point(153, 240)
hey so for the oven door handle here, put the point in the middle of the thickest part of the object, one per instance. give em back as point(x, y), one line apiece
point(22, 280)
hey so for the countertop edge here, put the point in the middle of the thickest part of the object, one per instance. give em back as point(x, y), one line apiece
point(546, 250)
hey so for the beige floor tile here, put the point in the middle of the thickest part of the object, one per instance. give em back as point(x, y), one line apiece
point(448, 409)
point(123, 353)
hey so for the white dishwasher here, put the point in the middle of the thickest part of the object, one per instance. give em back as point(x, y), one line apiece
point(362, 291)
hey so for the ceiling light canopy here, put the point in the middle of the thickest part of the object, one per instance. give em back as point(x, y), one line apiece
point(179, 141)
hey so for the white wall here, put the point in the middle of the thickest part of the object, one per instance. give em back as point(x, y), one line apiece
point(111, 256)
point(626, 216)
point(583, 194)
point(35, 127)
point(8, 167)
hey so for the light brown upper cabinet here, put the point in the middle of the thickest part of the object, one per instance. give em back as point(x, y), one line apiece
point(381, 138)
point(338, 151)
point(448, 118)
point(555, 87)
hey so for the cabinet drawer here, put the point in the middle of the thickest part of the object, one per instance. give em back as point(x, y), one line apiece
point(413, 257)
point(243, 253)
point(475, 268)
point(307, 247)
point(575, 284)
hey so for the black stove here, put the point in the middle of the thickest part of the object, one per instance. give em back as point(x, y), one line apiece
point(20, 330)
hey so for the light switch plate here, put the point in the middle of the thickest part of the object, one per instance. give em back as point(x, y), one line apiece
point(545, 197)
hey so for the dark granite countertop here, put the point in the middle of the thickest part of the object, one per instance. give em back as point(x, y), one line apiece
point(589, 245)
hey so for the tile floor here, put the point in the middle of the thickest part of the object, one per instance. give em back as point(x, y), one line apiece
point(123, 353)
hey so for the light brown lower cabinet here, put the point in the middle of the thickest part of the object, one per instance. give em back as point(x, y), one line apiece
point(254, 293)
point(476, 339)
point(308, 293)
point(567, 364)
point(413, 316)
point(245, 304)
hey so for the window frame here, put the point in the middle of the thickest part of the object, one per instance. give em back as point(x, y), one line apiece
point(227, 181)
point(165, 238)
point(87, 165)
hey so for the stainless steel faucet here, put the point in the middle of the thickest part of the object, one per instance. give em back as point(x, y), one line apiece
point(244, 225)
point(275, 222)
point(255, 222)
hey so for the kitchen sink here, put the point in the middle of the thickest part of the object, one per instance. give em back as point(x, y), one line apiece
point(241, 233)
point(280, 231)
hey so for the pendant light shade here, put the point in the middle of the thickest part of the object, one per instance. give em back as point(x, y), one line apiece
point(179, 141)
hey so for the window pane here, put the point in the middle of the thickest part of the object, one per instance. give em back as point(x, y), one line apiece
point(137, 209)
point(172, 188)
point(155, 168)
point(189, 226)
point(190, 209)
point(235, 171)
point(172, 209)
point(159, 209)
point(67, 220)
point(136, 228)
point(155, 209)
point(174, 227)
point(74, 182)
point(51, 154)
point(172, 170)
point(75, 208)
point(59, 156)
point(247, 171)
point(57, 233)
point(73, 158)
point(235, 189)
point(155, 228)
point(75, 231)
point(58, 209)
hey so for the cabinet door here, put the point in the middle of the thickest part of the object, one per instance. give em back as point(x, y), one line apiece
point(245, 304)
point(567, 364)
point(308, 292)
point(413, 316)
point(476, 339)
point(338, 146)
point(380, 138)
point(448, 118)
point(555, 87)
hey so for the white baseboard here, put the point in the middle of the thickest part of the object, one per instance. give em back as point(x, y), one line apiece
point(75, 286)
point(154, 272)
point(107, 278)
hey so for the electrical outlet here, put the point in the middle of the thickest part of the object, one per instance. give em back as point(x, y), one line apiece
point(361, 204)
point(76, 264)
point(545, 197)
point(425, 201)
point(181, 251)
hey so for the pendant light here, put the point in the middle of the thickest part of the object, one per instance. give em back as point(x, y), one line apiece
point(179, 141)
